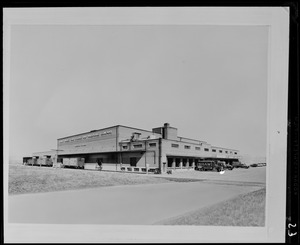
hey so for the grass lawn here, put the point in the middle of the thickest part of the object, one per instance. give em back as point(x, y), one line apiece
point(244, 210)
point(32, 179)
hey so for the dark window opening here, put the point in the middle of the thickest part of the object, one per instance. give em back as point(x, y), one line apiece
point(170, 162)
point(133, 161)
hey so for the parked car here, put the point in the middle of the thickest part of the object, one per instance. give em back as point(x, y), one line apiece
point(225, 165)
point(229, 166)
point(239, 165)
point(261, 164)
point(254, 165)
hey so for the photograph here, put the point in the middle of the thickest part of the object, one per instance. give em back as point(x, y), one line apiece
point(156, 123)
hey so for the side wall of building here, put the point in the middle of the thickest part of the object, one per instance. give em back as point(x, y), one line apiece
point(201, 150)
point(104, 140)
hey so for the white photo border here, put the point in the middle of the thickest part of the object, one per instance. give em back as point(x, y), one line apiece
point(277, 18)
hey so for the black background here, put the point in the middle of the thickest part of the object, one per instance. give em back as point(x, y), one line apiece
point(292, 198)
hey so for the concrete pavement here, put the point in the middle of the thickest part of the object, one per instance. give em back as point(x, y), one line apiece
point(134, 204)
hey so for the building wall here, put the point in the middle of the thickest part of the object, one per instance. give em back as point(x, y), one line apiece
point(187, 149)
point(171, 133)
point(104, 140)
point(192, 141)
point(146, 152)
point(143, 158)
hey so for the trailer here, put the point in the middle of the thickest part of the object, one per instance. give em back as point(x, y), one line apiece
point(31, 161)
point(76, 162)
point(27, 160)
point(45, 161)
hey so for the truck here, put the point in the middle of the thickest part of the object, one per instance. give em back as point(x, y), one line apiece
point(45, 161)
point(209, 165)
point(76, 162)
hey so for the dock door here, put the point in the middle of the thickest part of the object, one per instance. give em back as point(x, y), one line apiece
point(133, 161)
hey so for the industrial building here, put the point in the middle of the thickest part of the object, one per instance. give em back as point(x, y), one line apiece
point(122, 148)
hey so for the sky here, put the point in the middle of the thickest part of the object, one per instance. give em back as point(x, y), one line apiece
point(210, 82)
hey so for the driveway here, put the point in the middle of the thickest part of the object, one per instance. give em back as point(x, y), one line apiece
point(135, 204)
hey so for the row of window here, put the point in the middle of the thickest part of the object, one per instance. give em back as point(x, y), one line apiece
point(198, 148)
point(137, 146)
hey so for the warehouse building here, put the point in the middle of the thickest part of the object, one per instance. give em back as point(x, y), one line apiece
point(123, 148)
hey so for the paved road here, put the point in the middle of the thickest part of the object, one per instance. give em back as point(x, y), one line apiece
point(135, 204)
point(250, 175)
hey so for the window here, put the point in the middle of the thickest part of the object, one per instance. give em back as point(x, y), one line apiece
point(220, 151)
point(175, 145)
point(213, 150)
point(231, 152)
point(197, 148)
point(206, 149)
point(125, 147)
point(152, 144)
point(226, 151)
point(235, 153)
point(187, 147)
point(138, 146)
